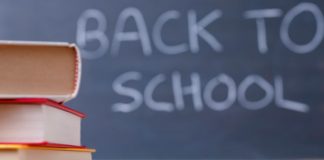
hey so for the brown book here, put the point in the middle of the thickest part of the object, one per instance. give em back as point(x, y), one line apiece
point(38, 69)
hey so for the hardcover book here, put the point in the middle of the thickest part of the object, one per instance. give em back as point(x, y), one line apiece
point(38, 69)
point(25, 152)
point(39, 121)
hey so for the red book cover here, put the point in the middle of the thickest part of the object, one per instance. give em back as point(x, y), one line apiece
point(43, 101)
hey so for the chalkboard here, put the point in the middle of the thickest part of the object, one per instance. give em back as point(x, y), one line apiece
point(189, 79)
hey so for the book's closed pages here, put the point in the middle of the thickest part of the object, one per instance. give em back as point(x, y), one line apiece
point(43, 70)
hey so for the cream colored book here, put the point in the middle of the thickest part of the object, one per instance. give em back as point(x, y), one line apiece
point(24, 152)
point(39, 69)
point(39, 122)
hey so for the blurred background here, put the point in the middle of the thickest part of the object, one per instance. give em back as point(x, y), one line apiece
point(189, 79)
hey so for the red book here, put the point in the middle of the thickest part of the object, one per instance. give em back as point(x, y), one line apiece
point(38, 121)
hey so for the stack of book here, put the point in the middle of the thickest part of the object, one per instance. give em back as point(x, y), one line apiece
point(35, 80)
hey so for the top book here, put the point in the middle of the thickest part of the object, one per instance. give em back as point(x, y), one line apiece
point(39, 69)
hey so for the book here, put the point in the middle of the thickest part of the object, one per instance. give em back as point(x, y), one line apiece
point(39, 121)
point(38, 69)
point(37, 78)
point(26, 152)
